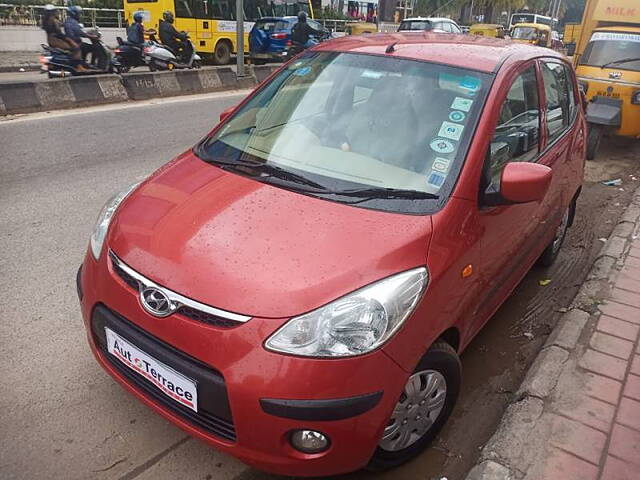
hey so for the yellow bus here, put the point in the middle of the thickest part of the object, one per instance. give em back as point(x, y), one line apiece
point(211, 24)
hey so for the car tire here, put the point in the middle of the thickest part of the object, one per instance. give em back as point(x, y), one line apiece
point(550, 253)
point(437, 376)
point(222, 53)
point(593, 140)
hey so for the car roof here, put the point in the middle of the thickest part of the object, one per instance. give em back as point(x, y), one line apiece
point(475, 52)
point(431, 19)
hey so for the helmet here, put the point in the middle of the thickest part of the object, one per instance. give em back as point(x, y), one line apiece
point(138, 17)
point(74, 11)
point(302, 17)
point(168, 16)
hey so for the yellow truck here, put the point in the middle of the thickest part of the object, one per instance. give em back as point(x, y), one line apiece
point(607, 61)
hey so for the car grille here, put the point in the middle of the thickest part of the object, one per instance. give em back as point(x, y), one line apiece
point(187, 311)
point(214, 414)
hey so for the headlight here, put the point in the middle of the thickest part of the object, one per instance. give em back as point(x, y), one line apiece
point(104, 219)
point(356, 323)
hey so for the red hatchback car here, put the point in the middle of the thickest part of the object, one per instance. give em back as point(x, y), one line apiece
point(297, 288)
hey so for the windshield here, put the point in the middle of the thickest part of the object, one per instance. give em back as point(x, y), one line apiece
point(524, 33)
point(344, 122)
point(415, 25)
point(609, 48)
point(522, 18)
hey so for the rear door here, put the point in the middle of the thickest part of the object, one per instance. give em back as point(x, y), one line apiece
point(559, 116)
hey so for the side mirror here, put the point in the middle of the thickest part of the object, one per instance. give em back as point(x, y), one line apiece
point(524, 182)
point(226, 112)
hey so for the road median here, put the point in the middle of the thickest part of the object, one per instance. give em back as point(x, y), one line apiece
point(54, 94)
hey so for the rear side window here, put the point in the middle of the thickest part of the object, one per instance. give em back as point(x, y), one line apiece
point(556, 88)
point(266, 25)
point(571, 85)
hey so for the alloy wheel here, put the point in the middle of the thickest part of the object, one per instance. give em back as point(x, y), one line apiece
point(417, 410)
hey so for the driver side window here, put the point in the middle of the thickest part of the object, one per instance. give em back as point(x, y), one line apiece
point(517, 134)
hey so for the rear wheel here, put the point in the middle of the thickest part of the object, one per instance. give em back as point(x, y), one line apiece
point(593, 140)
point(222, 53)
point(422, 409)
point(550, 253)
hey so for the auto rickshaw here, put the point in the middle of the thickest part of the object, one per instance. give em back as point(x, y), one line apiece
point(357, 28)
point(487, 30)
point(533, 33)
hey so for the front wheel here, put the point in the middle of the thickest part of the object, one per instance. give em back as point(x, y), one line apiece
point(222, 53)
point(593, 140)
point(422, 409)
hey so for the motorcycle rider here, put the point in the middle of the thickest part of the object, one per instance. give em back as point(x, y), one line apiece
point(172, 38)
point(135, 32)
point(74, 31)
point(56, 38)
point(301, 32)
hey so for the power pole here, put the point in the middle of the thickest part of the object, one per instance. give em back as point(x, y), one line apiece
point(240, 38)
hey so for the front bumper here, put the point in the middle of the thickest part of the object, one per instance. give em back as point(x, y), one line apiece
point(261, 396)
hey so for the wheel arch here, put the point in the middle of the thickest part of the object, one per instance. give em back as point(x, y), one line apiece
point(452, 337)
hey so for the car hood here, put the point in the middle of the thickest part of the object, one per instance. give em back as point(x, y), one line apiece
point(255, 249)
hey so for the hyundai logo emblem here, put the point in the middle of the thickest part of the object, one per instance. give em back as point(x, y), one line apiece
point(156, 302)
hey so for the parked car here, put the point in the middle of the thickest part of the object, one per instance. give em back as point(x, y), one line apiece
point(296, 289)
point(440, 25)
point(270, 38)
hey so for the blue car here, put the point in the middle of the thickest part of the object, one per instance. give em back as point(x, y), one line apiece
point(270, 38)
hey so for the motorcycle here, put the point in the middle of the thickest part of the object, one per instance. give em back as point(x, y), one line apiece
point(128, 55)
point(58, 63)
point(160, 57)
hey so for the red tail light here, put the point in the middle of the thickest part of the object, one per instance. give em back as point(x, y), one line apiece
point(117, 50)
point(278, 36)
point(289, 43)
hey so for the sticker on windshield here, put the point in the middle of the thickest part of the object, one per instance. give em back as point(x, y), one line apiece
point(441, 165)
point(616, 36)
point(451, 130)
point(457, 116)
point(441, 145)
point(470, 83)
point(463, 104)
point(436, 179)
point(301, 72)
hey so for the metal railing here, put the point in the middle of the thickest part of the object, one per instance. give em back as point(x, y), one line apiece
point(31, 15)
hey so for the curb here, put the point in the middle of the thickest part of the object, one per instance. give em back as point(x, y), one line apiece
point(524, 427)
point(28, 97)
point(28, 67)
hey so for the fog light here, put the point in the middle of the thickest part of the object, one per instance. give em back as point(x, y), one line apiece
point(309, 441)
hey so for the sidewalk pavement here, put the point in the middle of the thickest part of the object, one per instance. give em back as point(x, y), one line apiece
point(576, 415)
point(14, 61)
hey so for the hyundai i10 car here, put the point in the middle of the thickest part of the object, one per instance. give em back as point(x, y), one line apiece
point(297, 288)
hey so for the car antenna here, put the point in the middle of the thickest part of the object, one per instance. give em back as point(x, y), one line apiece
point(391, 48)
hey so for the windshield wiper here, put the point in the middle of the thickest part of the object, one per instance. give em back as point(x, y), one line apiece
point(624, 60)
point(267, 170)
point(387, 193)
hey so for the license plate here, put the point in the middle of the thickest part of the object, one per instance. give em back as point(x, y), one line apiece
point(173, 384)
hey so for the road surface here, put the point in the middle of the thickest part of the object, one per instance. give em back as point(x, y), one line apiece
point(61, 416)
